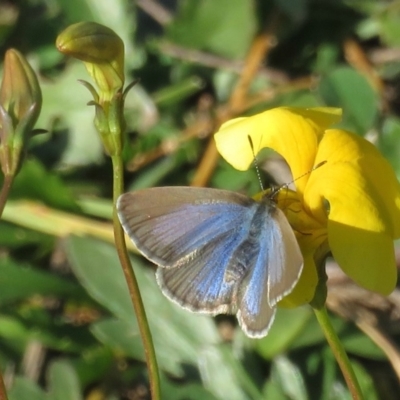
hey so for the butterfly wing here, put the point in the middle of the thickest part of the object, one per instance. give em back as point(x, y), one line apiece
point(191, 233)
point(285, 263)
point(201, 285)
point(274, 271)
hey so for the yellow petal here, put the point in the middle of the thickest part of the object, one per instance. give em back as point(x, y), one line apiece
point(294, 133)
point(366, 257)
point(359, 184)
point(304, 291)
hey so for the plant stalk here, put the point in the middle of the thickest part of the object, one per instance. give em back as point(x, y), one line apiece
point(133, 287)
point(5, 190)
point(339, 353)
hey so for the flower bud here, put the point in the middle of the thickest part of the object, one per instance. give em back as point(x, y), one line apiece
point(102, 51)
point(20, 105)
point(20, 93)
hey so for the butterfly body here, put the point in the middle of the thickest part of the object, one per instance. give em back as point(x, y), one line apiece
point(217, 251)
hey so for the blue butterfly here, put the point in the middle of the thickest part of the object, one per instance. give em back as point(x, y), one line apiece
point(217, 251)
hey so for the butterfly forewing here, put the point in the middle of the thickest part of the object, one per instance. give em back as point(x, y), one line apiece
point(200, 285)
point(170, 224)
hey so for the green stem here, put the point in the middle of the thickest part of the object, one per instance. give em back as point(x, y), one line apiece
point(5, 190)
point(133, 287)
point(339, 353)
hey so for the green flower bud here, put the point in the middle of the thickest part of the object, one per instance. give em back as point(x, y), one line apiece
point(20, 105)
point(20, 93)
point(102, 51)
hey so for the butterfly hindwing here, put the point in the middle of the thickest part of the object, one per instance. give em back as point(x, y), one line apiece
point(285, 262)
point(272, 273)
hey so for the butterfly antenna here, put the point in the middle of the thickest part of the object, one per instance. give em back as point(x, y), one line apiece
point(256, 164)
point(286, 185)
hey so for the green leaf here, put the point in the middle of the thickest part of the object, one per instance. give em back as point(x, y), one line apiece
point(272, 390)
point(67, 98)
point(390, 26)
point(121, 336)
point(346, 88)
point(155, 173)
point(181, 391)
point(290, 378)
point(174, 94)
point(20, 282)
point(366, 382)
point(96, 207)
point(94, 365)
point(324, 361)
point(312, 334)
point(63, 381)
point(34, 182)
point(14, 236)
point(358, 343)
point(326, 58)
point(225, 376)
point(76, 10)
point(14, 333)
point(24, 389)
point(286, 328)
point(224, 27)
point(36, 324)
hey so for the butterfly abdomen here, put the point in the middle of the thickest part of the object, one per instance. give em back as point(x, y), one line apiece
point(246, 252)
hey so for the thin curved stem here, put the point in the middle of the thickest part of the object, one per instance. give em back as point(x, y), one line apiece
point(5, 190)
point(339, 353)
point(133, 287)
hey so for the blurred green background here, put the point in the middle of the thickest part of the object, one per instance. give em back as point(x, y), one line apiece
point(67, 328)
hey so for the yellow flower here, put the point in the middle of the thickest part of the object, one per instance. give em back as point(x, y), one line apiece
point(349, 205)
